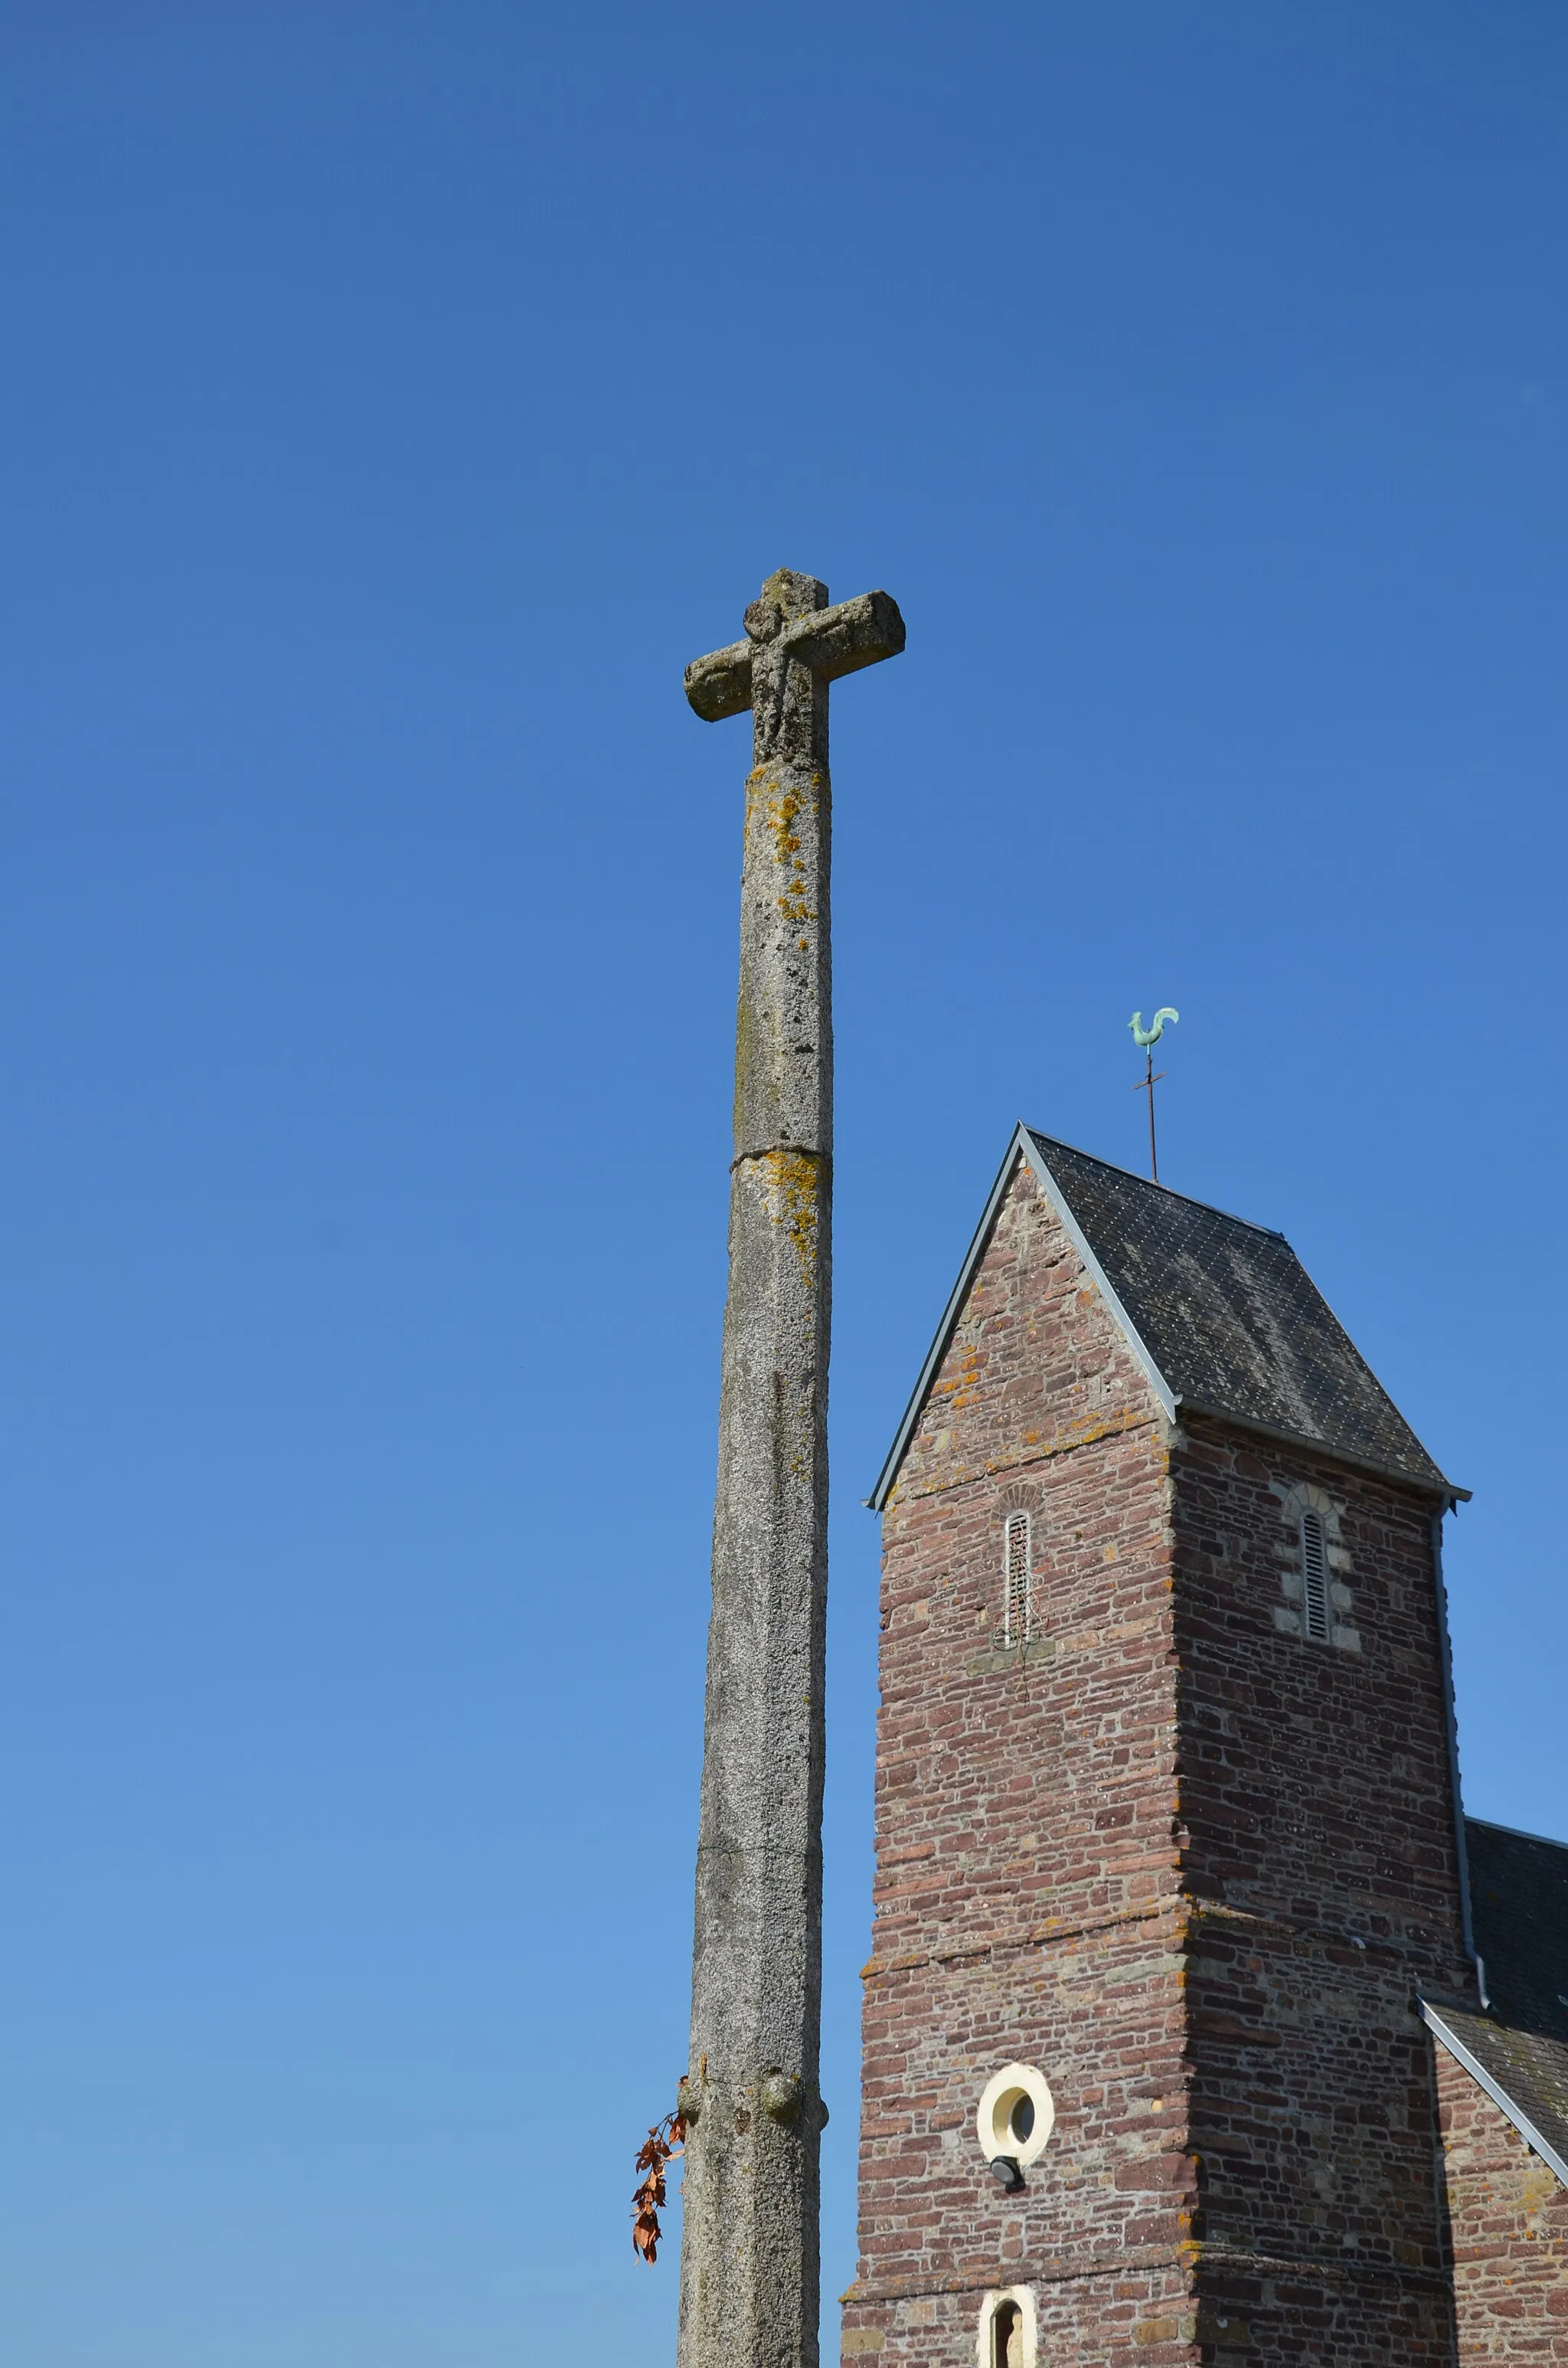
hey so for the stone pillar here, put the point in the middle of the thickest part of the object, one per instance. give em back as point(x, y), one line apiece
point(749, 2254)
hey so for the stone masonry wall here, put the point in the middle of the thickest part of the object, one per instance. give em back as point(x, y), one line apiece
point(1319, 1850)
point(1025, 1893)
point(1188, 1865)
point(1509, 2219)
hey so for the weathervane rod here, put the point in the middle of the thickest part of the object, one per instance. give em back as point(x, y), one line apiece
point(1146, 1039)
point(1150, 1082)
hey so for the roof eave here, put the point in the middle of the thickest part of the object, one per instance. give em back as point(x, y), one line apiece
point(1489, 2083)
point(1448, 1490)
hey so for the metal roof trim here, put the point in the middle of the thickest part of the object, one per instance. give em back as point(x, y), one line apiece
point(950, 1313)
point(1499, 2096)
point(1079, 1240)
point(1447, 1491)
point(1519, 1833)
point(1023, 1146)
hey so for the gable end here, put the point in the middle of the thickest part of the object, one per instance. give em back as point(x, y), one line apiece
point(1024, 1147)
point(1220, 1314)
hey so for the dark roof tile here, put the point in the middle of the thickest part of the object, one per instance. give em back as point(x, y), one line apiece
point(1227, 1318)
point(1518, 1889)
point(1232, 1319)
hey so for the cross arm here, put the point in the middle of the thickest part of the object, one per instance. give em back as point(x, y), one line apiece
point(720, 685)
point(832, 642)
point(856, 633)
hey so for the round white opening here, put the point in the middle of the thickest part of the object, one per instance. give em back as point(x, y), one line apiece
point(1015, 2113)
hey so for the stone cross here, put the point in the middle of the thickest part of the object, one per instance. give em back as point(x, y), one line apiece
point(749, 2296)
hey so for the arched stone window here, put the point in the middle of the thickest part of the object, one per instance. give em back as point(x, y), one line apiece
point(1007, 2337)
point(1319, 1606)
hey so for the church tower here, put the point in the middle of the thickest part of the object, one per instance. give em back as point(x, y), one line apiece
point(1169, 1855)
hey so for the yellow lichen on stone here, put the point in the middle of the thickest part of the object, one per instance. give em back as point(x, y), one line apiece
point(777, 809)
point(960, 1379)
point(794, 1181)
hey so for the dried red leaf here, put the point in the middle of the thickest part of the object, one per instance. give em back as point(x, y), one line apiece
point(662, 2144)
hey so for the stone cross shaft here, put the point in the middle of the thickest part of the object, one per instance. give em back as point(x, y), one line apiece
point(753, 2110)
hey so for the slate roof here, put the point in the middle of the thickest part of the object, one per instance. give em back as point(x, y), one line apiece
point(1517, 2049)
point(1222, 1315)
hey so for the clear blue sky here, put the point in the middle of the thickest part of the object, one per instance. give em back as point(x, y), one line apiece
point(395, 398)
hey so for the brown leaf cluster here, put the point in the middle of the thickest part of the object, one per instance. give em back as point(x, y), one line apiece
point(663, 2145)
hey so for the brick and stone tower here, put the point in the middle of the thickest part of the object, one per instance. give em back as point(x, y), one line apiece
point(1167, 1836)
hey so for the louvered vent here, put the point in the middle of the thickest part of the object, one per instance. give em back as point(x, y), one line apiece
point(1314, 1577)
point(1016, 1615)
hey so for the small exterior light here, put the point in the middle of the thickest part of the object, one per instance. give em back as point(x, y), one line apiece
point(1005, 2170)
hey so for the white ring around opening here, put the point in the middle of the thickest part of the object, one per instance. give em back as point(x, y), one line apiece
point(997, 2116)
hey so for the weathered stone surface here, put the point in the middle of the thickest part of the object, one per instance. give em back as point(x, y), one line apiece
point(749, 2246)
point(1508, 2221)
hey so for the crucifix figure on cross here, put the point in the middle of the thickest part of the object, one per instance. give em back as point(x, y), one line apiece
point(795, 645)
point(750, 2101)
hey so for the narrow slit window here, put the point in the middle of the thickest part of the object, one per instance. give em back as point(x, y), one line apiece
point(1315, 1578)
point(1017, 1586)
